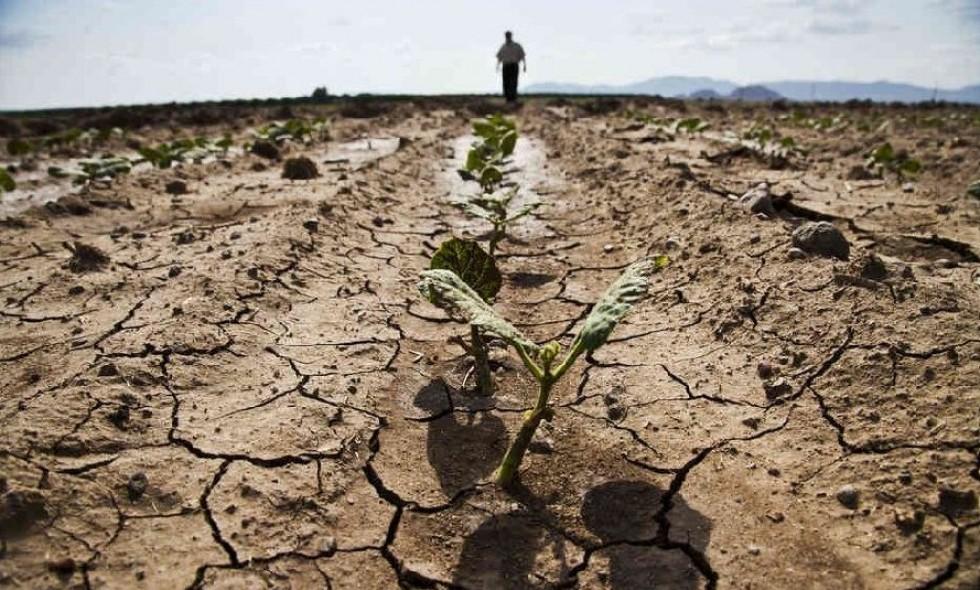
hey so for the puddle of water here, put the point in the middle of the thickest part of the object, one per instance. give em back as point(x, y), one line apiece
point(526, 169)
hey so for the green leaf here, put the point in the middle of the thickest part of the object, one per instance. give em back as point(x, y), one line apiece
point(473, 161)
point(490, 175)
point(484, 129)
point(446, 290)
point(56, 172)
point(508, 143)
point(619, 298)
point(6, 181)
point(468, 260)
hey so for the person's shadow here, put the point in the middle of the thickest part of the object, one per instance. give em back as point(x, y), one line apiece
point(463, 447)
point(501, 553)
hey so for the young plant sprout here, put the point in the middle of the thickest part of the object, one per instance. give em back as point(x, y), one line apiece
point(448, 291)
point(495, 209)
point(479, 272)
point(485, 159)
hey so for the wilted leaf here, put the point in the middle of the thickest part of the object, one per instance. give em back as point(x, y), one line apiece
point(468, 260)
point(628, 289)
point(446, 290)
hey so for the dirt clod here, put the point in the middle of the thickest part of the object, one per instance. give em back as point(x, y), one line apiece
point(136, 486)
point(848, 496)
point(822, 238)
point(301, 168)
point(758, 200)
point(265, 149)
point(176, 187)
point(86, 258)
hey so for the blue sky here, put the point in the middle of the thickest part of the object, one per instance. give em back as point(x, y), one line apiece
point(96, 52)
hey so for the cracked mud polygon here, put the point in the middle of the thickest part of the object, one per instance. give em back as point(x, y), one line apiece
point(248, 392)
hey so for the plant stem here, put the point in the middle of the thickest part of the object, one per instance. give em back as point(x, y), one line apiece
point(484, 379)
point(507, 471)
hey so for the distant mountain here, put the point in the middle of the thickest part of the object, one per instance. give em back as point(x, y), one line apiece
point(664, 86)
point(754, 92)
point(834, 91)
point(705, 94)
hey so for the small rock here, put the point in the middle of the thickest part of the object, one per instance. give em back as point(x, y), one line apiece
point(848, 496)
point(136, 486)
point(301, 168)
point(822, 238)
point(754, 550)
point(795, 254)
point(174, 271)
point(758, 200)
point(764, 369)
point(176, 187)
point(776, 517)
point(672, 243)
point(608, 248)
point(752, 422)
point(86, 258)
point(311, 225)
point(265, 149)
point(328, 545)
point(953, 502)
point(108, 370)
point(908, 187)
point(778, 388)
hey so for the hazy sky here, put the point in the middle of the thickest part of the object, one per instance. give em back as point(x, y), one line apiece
point(93, 52)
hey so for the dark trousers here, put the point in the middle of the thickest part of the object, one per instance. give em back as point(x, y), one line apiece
point(510, 82)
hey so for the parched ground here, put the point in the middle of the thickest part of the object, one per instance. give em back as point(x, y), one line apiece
point(251, 394)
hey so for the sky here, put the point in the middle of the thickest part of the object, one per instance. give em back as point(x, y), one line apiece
point(106, 52)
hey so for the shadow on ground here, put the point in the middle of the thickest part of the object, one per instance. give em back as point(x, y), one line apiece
point(463, 447)
point(504, 549)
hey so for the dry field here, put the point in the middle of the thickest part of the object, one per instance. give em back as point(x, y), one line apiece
point(247, 391)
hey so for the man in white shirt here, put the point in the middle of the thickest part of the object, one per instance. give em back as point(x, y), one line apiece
point(510, 55)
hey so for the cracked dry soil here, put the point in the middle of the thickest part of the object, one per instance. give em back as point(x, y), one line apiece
point(241, 398)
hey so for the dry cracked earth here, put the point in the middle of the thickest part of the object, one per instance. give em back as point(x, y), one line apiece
point(251, 394)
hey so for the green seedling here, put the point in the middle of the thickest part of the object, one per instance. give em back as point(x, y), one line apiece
point(104, 168)
point(885, 157)
point(7, 183)
point(293, 130)
point(671, 126)
point(485, 160)
point(449, 292)
point(495, 208)
point(197, 149)
point(479, 271)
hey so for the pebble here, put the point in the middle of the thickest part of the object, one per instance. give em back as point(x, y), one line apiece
point(754, 550)
point(311, 225)
point(136, 486)
point(758, 200)
point(796, 254)
point(848, 496)
point(608, 248)
point(672, 243)
point(822, 238)
point(764, 369)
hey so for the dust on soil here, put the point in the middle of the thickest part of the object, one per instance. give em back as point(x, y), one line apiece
point(248, 391)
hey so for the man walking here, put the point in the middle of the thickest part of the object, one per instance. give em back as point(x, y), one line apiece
point(511, 55)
